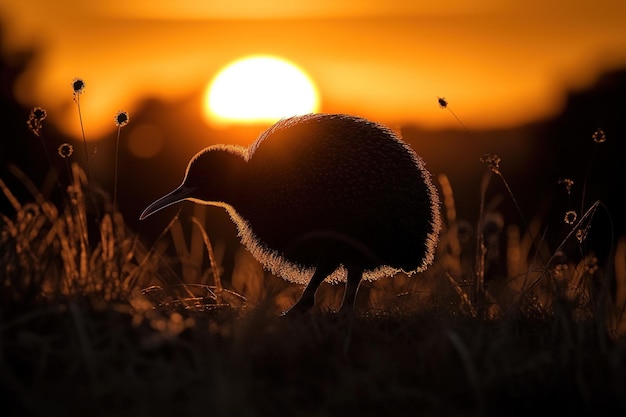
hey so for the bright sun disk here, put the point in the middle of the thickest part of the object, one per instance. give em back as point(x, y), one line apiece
point(259, 89)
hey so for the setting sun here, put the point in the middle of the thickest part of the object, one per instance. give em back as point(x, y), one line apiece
point(259, 89)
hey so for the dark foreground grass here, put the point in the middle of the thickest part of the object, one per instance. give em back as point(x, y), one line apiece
point(70, 359)
point(99, 326)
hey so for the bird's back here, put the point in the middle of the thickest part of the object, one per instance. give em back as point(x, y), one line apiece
point(341, 179)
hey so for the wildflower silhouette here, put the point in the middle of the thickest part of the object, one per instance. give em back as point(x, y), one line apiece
point(78, 85)
point(35, 125)
point(581, 234)
point(443, 104)
point(570, 217)
point(598, 136)
point(568, 184)
point(121, 120)
point(492, 161)
point(35, 120)
point(65, 150)
point(39, 114)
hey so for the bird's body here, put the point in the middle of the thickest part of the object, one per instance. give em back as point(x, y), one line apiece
point(322, 197)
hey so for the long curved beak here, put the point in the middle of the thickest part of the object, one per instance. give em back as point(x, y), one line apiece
point(179, 194)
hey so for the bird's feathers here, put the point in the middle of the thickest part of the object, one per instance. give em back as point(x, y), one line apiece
point(325, 189)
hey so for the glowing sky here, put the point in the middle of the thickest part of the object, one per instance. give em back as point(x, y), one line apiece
point(497, 62)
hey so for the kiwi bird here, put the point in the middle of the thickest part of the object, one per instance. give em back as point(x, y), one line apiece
point(321, 197)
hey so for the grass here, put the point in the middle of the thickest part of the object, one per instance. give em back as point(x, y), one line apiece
point(95, 322)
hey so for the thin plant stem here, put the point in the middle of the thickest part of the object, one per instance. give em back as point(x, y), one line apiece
point(479, 272)
point(584, 191)
point(82, 129)
point(89, 175)
point(457, 118)
point(117, 147)
point(480, 244)
point(54, 172)
point(522, 218)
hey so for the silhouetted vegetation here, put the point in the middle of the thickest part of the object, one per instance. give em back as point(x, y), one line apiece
point(95, 320)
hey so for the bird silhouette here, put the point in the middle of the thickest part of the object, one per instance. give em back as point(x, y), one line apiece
point(321, 197)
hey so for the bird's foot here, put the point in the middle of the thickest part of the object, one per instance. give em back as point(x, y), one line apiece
point(299, 308)
point(295, 311)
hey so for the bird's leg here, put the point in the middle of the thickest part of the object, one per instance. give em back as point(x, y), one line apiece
point(307, 299)
point(352, 285)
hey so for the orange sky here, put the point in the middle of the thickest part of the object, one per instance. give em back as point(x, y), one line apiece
point(497, 62)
